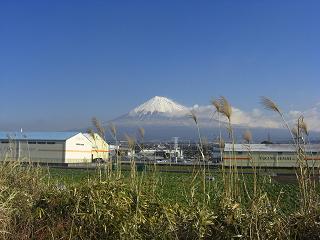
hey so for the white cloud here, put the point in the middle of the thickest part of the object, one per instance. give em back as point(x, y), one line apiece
point(294, 113)
point(312, 118)
point(254, 119)
point(257, 118)
point(195, 106)
point(256, 112)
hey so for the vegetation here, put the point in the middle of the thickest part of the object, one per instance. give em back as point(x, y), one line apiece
point(37, 203)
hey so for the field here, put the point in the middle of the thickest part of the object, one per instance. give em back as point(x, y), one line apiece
point(52, 203)
point(131, 201)
point(173, 183)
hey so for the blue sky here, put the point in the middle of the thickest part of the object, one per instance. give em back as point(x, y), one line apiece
point(62, 62)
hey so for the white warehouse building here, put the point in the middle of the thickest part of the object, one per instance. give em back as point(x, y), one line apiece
point(266, 155)
point(52, 147)
point(100, 148)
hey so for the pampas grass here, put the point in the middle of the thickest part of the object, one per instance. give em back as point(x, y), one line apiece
point(130, 206)
point(307, 188)
point(232, 184)
point(247, 137)
point(269, 104)
point(98, 126)
point(225, 108)
point(194, 117)
point(113, 131)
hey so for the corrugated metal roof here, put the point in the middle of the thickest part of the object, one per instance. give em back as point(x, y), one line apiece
point(269, 147)
point(37, 135)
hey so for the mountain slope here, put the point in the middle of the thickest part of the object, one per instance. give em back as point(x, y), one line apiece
point(164, 118)
point(159, 105)
point(157, 110)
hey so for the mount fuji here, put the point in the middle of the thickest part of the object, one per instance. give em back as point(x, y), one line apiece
point(156, 111)
point(163, 118)
point(159, 105)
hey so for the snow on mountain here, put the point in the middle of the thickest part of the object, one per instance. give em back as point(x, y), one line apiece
point(158, 111)
point(160, 105)
point(163, 117)
point(164, 111)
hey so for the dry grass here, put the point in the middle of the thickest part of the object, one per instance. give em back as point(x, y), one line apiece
point(118, 207)
point(217, 105)
point(113, 130)
point(247, 136)
point(225, 108)
point(270, 105)
point(113, 208)
point(99, 128)
point(308, 196)
point(303, 126)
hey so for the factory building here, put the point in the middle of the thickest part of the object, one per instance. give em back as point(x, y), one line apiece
point(100, 149)
point(266, 155)
point(50, 147)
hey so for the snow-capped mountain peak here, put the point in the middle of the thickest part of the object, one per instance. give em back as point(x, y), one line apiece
point(159, 105)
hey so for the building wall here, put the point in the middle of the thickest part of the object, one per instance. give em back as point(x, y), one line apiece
point(78, 149)
point(34, 151)
point(268, 159)
point(100, 148)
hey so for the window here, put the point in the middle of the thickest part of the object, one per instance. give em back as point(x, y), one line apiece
point(280, 153)
point(51, 142)
point(32, 142)
point(239, 153)
point(41, 142)
point(5, 141)
point(79, 144)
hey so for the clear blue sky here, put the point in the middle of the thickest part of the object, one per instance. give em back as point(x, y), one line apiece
point(62, 62)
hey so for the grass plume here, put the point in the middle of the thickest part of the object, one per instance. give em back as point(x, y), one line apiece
point(34, 205)
point(225, 107)
point(269, 104)
point(247, 136)
point(99, 128)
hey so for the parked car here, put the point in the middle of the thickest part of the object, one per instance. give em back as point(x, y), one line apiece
point(98, 160)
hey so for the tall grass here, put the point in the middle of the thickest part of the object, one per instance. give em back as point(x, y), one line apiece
point(308, 199)
point(117, 205)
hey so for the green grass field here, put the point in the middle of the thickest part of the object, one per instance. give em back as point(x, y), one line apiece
point(174, 187)
point(55, 203)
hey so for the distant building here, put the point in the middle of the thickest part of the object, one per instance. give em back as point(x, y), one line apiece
point(266, 155)
point(50, 147)
point(162, 154)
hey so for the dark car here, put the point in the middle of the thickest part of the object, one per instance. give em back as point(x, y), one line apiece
point(98, 160)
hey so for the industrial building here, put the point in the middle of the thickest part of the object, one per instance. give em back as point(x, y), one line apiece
point(266, 155)
point(52, 147)
point(100, 149)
